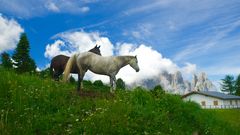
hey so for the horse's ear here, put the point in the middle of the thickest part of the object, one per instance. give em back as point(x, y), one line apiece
point(99, 46)
point(96, 46)
point(135, 56)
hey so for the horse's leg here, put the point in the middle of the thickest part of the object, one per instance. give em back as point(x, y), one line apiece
point(57, 74)
point(114, 82)
point(80, 77)
point(111, 84)
point(79, 82)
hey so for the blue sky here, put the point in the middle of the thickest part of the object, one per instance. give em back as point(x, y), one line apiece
point(202, 33)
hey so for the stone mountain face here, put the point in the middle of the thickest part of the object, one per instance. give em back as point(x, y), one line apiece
point(203, 84)
point(177, 85)
point(174, 83)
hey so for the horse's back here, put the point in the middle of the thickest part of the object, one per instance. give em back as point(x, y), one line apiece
point(60, 58)
point(59, 61)
point(89, 57)
point(95, 63)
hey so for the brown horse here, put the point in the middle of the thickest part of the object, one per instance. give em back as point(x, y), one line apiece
point(59, 62)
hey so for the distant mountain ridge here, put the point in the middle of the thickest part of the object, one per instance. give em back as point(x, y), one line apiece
point(174, 83)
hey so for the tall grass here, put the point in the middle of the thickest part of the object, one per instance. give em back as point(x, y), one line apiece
point(30, 105)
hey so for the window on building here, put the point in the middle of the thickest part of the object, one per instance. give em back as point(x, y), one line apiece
point(236, 102)
point(203, 103)
point(215, 103)
point(230, 102)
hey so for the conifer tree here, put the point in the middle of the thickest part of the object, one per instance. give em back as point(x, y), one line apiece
point(6, 60)
point(21, 57)
point(237, 85)
point(228, 84)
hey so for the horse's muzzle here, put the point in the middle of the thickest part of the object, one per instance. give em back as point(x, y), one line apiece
point(137, 70)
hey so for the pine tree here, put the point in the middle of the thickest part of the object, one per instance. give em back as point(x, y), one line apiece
point(237, 85)
point(6, 61)
point(23, 61)
point(228, 84)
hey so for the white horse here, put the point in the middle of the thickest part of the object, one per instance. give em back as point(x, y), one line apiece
point(100, 65)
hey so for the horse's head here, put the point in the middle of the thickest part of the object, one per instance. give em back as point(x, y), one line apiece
point(134, 63)
point(96, 50)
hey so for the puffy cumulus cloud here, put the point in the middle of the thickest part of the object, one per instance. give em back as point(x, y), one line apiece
point(83, 41)
point(10, 32)
point(151, 63)
point(55, 49)
point(78, 41)
point(188, 70)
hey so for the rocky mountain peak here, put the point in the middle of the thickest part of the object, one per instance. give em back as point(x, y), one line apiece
point(174, 83)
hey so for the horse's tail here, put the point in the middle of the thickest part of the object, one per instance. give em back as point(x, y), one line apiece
point(68, 67)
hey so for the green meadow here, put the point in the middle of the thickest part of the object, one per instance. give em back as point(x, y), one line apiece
point(230, 116)
point(30, 104)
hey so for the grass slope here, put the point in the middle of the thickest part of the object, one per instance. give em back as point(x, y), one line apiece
point(30, 105)
point(231, 116)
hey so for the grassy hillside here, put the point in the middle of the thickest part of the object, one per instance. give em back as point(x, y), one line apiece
point(231, 116)
point(30, 105)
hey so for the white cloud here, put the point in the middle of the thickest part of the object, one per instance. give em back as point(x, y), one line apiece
point(85, 9)
point(10, 32)
point(66, 7)
point(146, 7)
point(189, 68)
point(52, 7)
point(55, 49)
point(83, 41)
point(78, 41)
point(136, 34)
point(141, 31)
point(206, 44)
point(151, 63)
point(33, 8)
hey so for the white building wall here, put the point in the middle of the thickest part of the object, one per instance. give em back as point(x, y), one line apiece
point(209, 101)
point(232, 103)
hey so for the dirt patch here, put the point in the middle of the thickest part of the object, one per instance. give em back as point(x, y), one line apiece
point(93, 94)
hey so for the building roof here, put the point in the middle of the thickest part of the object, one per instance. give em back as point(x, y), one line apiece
point(213, 94)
